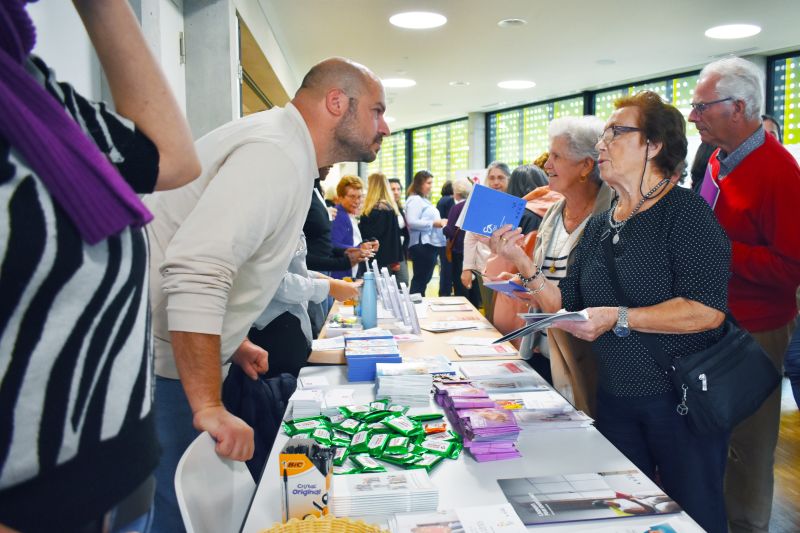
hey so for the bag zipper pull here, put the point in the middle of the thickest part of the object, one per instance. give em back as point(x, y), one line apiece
point(682, 408)
point(704, 382)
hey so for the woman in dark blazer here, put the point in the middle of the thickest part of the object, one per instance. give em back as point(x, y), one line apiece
point(379, 222)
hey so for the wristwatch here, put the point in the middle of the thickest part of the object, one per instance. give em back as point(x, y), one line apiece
point(622, 329)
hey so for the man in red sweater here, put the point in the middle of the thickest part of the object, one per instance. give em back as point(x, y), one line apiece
point(759, 186)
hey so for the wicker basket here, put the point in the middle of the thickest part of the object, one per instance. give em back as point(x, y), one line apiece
point(327, 524)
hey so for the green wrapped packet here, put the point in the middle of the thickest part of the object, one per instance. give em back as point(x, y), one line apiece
point(376, 444)
point(322, 436)
point(341, 439)
point(339, 455)
point(426, 417)
point(401, 459)
point(348, 425)
point(355, 411)
point(442, 448)
point(458, 446)
point(367, 463)
point(360, 442)
point(304, 425)
point(345, 469)
point(398, 409)
point(445, 435)
point(335, 419)
point(376, 416)
point(397, 445)
point(379, 405)
point(427, 461)
point(404, 425)
point(379, 427)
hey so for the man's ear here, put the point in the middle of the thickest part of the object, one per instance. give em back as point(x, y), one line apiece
point(336, 102)
point(739, 108)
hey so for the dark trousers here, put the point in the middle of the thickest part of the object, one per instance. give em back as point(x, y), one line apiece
point(423, 257)
point(473, 294)
point(792, 365)
point(691, 468)
point(287, 346)
point(445, 274)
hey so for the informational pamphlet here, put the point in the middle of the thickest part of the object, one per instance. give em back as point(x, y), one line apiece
point(487, 210)
point(492, 350)
point(588, 496)
point(480, 519)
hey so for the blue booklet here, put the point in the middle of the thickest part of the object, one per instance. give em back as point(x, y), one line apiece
point(487, 210)
point(508, 287)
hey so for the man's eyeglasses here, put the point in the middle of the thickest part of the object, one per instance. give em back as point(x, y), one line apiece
point(611, 133)
point(702, 106)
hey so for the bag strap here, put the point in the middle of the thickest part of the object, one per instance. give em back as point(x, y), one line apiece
point(649, 340)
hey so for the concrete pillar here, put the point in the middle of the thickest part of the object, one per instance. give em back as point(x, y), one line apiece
point(212, 64)
point(477, 140)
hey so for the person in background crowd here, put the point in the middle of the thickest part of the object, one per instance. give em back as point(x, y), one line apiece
point(461, 191)
point(672, 260)
point(444, 205)
point(425, 231)
point(525, 179)
point(700, 165)
point(397, 193)
point(284, 328)
point(344, 229)
point(759, 183)
point(321, 256)
point(771, 126)
point(78, 443)
point(476, 253)
point(221, 246)
point(379, 223)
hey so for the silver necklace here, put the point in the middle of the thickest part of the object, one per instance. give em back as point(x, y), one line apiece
point(617, 226)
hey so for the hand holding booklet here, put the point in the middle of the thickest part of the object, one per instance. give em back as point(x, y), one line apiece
point(540, 321)
point(486, 210)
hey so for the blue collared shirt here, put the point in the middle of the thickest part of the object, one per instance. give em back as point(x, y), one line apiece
point(728, 162)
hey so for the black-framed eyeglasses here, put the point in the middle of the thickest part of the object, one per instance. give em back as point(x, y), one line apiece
point(611, 133)
point(702, 106)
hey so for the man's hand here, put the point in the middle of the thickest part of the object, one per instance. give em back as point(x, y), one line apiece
point(466, 278)
point(234, 437)
point(343, 290)
point(253, 359)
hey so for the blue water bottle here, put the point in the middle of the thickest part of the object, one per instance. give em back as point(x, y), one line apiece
point(369, 302)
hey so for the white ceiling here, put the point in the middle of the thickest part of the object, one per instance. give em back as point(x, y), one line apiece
point(560, 48)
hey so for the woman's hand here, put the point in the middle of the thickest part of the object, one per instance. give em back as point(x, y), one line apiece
point(440, 223)
point(343, 290)
point(601, 319)
point(466, 278)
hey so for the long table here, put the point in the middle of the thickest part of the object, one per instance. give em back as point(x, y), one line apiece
point(465, 482)
point(432, 343)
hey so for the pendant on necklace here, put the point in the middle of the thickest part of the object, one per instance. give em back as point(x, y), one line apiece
point(615, 238)
point(552, 268)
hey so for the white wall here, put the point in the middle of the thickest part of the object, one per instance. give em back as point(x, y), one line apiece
point(62, 42)
point(171, 26)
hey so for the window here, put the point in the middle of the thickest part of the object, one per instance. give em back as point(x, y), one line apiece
point(391, 159)
point(519, 136)
point(785, 102)
point(442, 149)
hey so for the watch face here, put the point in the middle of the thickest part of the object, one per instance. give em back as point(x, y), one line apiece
point(622, 331)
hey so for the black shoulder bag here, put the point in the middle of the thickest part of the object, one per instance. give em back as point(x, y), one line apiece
point(719, 386)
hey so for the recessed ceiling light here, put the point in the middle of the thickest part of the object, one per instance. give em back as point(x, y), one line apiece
point(516, 84)
point(512, 23)
point(459, 83)
point(398, 82)
point(388, 119)
point(733, 31)
point(418, 20)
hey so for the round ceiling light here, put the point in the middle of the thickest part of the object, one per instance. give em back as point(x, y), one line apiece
point(418, 20)
point(512, 23)
point(516, 84)
point(733, 31)
point(398, 82)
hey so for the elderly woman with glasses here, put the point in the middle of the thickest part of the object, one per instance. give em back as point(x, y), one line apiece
point(672, 260)
point(571, 167)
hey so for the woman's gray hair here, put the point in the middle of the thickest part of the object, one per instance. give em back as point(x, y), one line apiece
point(581, 134)
point(462, 188)
point(502, 167)
point(738, 79)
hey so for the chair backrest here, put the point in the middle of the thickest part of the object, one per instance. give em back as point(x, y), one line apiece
point(213, 493)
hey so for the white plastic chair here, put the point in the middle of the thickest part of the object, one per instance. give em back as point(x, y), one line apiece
point(213, 493)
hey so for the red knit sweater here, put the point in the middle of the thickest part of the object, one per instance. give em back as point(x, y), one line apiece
point(759, 208)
